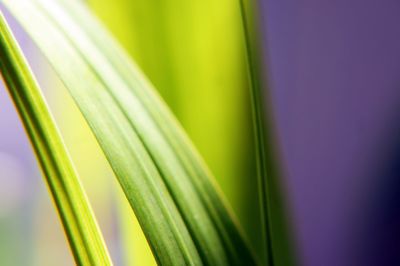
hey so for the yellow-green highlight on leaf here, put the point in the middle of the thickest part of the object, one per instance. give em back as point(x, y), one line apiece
point(78, 220)
point(182, 213)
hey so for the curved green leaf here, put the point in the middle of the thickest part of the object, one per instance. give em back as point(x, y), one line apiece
point(170, 190)
point(79, 223)
point(176, 201)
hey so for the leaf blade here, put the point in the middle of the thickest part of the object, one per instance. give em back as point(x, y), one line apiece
point(74, 209)
point(150, 137)
point(152, 202)
point(181, 145)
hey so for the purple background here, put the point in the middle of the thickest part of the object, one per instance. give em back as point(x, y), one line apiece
point(335, 71)
point(335, 76)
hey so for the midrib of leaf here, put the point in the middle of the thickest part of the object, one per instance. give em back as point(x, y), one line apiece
point(78, 220)
point(277, 239)
point(140, 118)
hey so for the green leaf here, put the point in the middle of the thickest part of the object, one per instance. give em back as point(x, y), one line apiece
point(279, 248)
point(174, 196)
point(78, 220)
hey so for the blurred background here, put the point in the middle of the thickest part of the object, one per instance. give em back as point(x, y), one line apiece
point(333, 68)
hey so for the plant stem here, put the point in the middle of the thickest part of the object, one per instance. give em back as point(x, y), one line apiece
point(258, 124)
point(277, 240)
